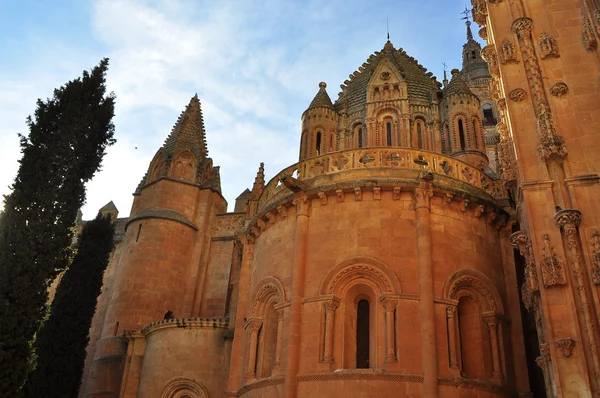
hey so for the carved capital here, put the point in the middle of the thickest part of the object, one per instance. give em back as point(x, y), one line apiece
point(423, 194)
point(253, 325)
point(522, 27)
point(302, 204)
point(331, 305)
point(450, 311)
point(389, 304)
point(491, 321)
point(566, 346)
point(568, 219)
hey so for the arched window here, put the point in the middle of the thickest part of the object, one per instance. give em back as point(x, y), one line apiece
point(267, 343)
point(419, 136)
point(362, 335)
point(473, 55)
point(360, 137)
point(318, 144)
point(475, 131)
point(488, 115)
point(388, 129)
point(461, 134)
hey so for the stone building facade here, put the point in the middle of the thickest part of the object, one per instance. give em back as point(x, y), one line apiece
point(427, 232)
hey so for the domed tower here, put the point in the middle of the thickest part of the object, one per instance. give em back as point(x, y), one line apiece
point(380, 269)
point(173, 211)
point(463, 129)
point(392, 101)
point(476, 74)
point(319, 126)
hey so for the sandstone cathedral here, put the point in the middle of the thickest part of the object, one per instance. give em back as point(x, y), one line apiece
point(435, 239)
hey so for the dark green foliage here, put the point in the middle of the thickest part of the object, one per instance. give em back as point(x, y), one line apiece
point(61, 341)
point(67, 139)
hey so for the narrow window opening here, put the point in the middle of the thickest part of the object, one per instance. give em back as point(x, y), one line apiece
point(137, 238)
point(318, 144)
point(331, 143)
point(362, 335)
point(419, 136)
point(488, 115)
point(473, 55)
point(360, 138)
point(461, 134)
point(388, 128)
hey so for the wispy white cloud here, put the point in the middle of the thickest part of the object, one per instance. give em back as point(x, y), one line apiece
point(254, 64)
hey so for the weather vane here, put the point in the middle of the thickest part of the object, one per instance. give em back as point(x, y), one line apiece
point(387, 24)
point(466, 14)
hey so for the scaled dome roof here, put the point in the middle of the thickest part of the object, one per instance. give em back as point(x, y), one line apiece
point(420, 83)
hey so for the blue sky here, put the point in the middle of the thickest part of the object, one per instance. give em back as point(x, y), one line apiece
point(255, 65)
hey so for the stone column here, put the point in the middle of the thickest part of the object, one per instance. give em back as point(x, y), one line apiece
point(237, 349)
point(298, 278)
point(280, 313)
point(252, 327)
point(451, 320)
point(568, 220)
point(390, 334)
point(330, 307)
point(492, 323)
point(423, 194)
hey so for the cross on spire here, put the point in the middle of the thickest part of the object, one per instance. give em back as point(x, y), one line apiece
point(467, 14)
point(387, 24)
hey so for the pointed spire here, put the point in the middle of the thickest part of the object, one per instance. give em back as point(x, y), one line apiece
point(259, 182)
point(110, 206)
point(469, 33)
point(188, 132)
point(457, 85)
point(322, 98)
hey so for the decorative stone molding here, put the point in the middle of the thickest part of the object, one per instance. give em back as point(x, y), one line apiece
point(323, 197)
point(464, 205)
point(560, 89)
point(595, 236)
point(269, 287)
point(541, 363)
point(357, 194)
point(376, 193)
point(520, 241)
point(339, 194)
point(479, 211)
point(479, 11)
point(396, 193)
point(489, 55)
point(550, 142)
point(566, 346)
point(507, 53)
point(517, 95)
point(282, 210)
point(384, 278)
point(545, 351)
point(483, 33)
point(548, 46)
point(447, 199)
point(588, 35)
point(475, 284)
point(552, 270)
point(184, 386)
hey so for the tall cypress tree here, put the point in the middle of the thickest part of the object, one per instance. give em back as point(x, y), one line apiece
point(67, 139)
point(61, 341)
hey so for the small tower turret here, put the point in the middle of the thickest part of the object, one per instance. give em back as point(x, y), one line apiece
point(319, 126)
point(462, 123)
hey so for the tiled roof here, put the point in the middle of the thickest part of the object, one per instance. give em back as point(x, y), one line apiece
point(420, 83)
point(322, 98)
point(457, 85)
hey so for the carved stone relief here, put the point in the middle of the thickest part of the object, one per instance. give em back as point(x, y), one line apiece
point(552, 270)
point(548, 46)
point(596, 257)
point(566, 346)
point(550, 143)
point(507, 52)
point(560, 89)
point(517, 95)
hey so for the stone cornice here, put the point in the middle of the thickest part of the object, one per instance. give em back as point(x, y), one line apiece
point(186, 323)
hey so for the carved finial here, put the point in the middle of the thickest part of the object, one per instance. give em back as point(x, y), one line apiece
point(259, 182)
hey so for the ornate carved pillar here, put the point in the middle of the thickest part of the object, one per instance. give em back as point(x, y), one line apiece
point(389, 306)
point(492, 323)
point(423, 194)
point(280, 313)
point(252, 327)
point(330, 307)
point(568, 220)
point(298, 279)
point(451, 322)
